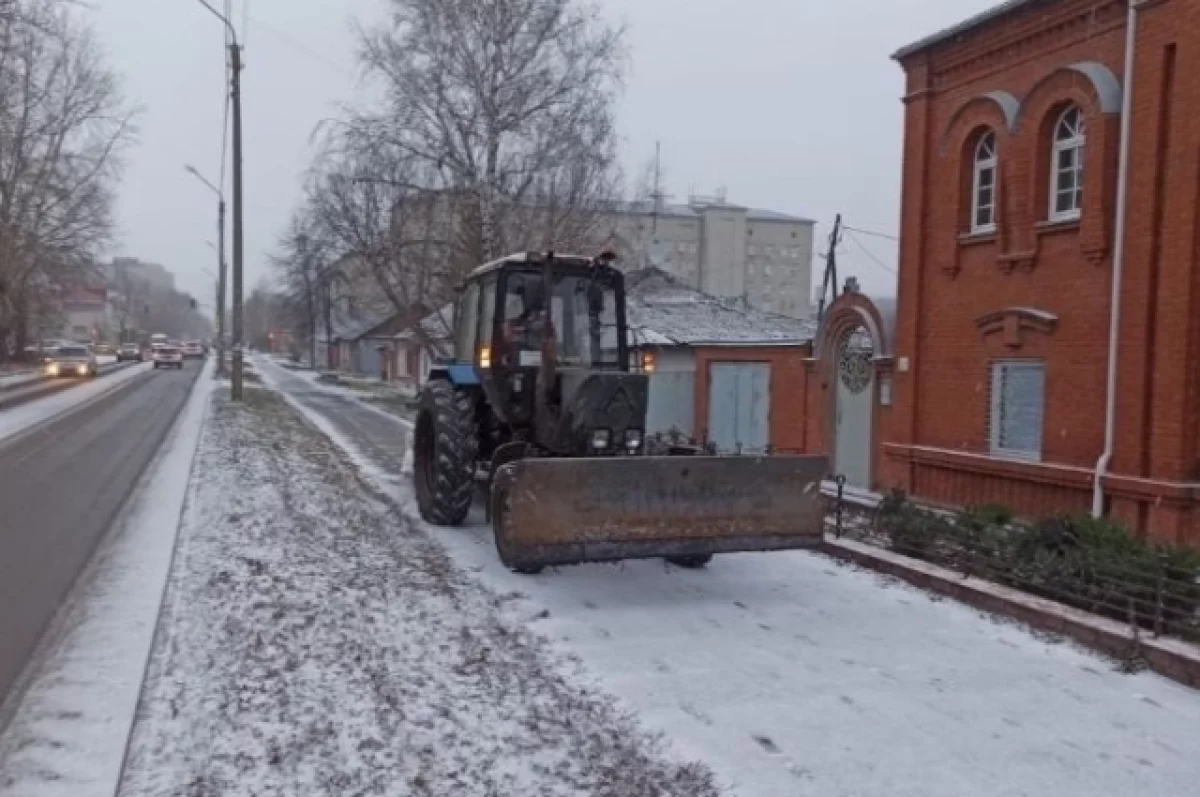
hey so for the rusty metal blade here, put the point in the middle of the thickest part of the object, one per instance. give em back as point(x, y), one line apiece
point(565, 511)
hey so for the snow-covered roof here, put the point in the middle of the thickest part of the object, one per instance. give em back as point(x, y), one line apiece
point(365, 324)
point(663, 312)
point(987, 15)
point(348, 328)
point(435, 326)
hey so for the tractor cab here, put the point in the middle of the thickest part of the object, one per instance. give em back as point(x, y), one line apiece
point(543, 336)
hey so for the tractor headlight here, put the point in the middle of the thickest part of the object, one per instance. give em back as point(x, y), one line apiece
point(81, 370)
point(51, 369)
point(633, 439)
point(600, 439)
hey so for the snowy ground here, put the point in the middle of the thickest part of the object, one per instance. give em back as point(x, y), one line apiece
point(67, 737)
point(23, 416)
point(789, 674)
point(16, 379)
point(312, 643)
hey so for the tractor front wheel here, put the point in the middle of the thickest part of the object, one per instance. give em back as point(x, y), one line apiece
point(445, 447)
point(500, 510)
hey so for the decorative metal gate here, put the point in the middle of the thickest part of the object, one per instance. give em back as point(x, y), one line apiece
point(853, 405)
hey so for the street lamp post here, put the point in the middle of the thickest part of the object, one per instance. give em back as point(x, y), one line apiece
point(235, 96)
point(220, 267)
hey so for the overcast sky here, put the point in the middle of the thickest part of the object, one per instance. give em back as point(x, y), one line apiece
point(791, 105)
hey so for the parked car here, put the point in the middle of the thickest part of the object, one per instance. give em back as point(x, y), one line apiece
point(71, 361)
point(168, 357)
point(129, 352)
point(193, 350)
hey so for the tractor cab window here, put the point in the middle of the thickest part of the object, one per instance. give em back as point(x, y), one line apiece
point(487, 312)
point(468, 321)
point(582, 315)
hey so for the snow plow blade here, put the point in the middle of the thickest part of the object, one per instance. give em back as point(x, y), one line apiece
point(568, 511)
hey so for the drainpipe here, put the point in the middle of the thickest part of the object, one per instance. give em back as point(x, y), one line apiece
point(1114, 319)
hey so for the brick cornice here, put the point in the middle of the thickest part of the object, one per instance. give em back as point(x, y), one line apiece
point(985, 52)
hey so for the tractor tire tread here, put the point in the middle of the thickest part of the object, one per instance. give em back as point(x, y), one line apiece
point(456, 446)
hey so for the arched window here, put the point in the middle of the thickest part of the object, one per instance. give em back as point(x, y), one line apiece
point(1066, 166)
point(983, 191)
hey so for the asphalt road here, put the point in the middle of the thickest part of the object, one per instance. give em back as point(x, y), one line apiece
point(61, 486)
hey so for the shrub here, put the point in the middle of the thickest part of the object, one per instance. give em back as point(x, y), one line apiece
point(1092, 564)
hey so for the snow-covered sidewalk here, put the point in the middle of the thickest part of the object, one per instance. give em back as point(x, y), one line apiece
point(390, 398)
point(11, 379)
point(313, 643)
point(790, 674)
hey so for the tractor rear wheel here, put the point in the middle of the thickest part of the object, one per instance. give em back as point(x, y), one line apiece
point(445, 447)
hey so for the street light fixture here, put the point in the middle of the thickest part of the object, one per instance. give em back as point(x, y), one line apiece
point(220, 265)
point(235, 96)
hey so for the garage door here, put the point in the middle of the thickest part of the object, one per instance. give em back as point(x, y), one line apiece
point(739, 406)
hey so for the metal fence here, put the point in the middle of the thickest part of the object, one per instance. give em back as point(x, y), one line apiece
point(1090, 564)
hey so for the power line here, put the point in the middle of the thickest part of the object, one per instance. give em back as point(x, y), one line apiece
point(225, 117)
point(872, 233)
point(300, 46)
point(868, 253)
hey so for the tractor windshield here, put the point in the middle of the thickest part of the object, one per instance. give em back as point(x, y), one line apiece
point(583, 314)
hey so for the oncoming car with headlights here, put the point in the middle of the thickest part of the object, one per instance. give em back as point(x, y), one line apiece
point(168, 357)
point(71, 361)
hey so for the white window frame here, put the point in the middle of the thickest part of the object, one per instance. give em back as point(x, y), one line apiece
point(997, 445)
point(1074, 140)
point(985, 160)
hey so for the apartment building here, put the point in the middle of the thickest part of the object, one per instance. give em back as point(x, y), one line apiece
point(761, 256)
point(125, 269)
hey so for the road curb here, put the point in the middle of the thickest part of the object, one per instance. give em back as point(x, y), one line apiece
point(1175, 659)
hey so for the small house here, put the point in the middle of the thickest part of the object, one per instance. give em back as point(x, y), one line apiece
point(720, 372)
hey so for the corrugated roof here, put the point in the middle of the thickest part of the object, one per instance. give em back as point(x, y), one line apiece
point(963, 27)
point(664, 312)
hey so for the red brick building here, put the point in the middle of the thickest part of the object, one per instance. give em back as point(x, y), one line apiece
point(1011, 236)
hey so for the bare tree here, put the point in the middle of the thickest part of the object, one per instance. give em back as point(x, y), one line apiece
point(306, 272)
point(64, 125)
point(496, 134)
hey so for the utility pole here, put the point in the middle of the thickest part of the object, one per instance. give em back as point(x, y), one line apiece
point(830, 283)
point(235, 61)
point(221, 266)
point(221, 287)
point(657, 195)
point(235, 96)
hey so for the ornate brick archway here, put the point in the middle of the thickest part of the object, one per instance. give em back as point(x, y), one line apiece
point(853, 358)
